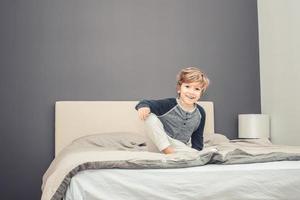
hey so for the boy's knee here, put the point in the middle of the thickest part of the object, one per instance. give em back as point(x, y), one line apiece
point(152, 118)
point(153, 121)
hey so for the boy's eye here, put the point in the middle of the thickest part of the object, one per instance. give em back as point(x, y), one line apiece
point(187, 86)
point(198, 89)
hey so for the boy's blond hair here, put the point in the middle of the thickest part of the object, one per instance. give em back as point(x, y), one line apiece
point(192, 74)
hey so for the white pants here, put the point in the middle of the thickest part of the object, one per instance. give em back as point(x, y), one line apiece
point(158, 139)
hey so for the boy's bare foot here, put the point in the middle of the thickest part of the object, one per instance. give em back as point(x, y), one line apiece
point(168, 150)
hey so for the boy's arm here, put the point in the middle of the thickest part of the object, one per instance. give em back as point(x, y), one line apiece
point(158, 107)
point(197, 136)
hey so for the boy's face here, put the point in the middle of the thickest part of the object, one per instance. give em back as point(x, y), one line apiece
point(189, 93)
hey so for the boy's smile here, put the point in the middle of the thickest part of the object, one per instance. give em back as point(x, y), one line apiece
point(189, 94)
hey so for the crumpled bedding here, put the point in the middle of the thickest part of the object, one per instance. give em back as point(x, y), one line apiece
point(86, 154)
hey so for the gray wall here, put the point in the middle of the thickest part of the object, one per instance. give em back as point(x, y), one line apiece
point(114, 50)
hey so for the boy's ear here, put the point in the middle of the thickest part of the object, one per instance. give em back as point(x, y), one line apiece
point(178, 88)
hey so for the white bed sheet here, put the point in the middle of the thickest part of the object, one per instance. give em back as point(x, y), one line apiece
point(272, 180)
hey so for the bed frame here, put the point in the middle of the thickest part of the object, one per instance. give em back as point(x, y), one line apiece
point(75, 119)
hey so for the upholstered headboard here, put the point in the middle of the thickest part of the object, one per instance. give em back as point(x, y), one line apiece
point(74, 119)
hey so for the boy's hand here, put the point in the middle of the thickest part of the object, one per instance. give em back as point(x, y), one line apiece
point(144, 113)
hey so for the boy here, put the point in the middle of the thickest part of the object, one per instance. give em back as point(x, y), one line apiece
point(175, 122)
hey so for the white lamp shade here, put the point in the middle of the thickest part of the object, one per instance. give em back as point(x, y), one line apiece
point(254, 126)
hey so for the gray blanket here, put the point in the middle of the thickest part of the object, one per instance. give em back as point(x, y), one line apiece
point(86, 154)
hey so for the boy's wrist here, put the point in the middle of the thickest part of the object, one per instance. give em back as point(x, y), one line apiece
point(142, 106)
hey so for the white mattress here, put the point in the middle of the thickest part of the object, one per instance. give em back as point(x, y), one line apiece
point(273, 180)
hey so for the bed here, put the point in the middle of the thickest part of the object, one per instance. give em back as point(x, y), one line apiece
point(237, 169)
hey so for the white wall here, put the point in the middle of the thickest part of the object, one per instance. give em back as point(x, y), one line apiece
point(279, 40)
